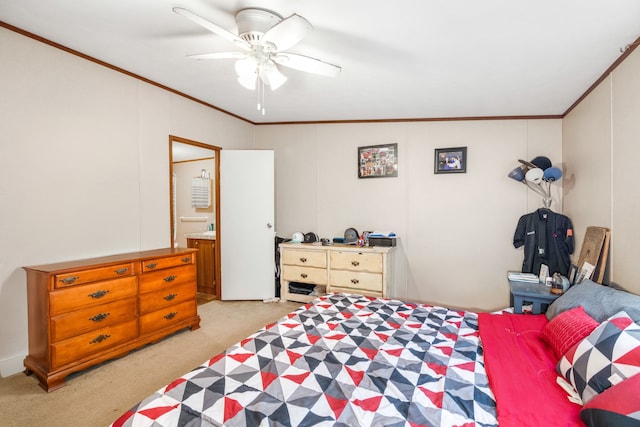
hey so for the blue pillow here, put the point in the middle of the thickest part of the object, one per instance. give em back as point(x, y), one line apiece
point(599, 301)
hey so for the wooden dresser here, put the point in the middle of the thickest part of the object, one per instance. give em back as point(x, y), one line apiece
point(85, 312)
point(335, 268)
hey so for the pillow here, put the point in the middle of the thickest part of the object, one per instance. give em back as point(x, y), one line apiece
point(618, 406)
point(610, 354)
point(591, 296)
point(567, 329)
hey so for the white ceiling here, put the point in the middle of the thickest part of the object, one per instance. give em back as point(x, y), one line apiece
point(181, 152)
point(405, 59)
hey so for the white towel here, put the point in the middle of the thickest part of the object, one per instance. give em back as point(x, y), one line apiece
point(200, 192)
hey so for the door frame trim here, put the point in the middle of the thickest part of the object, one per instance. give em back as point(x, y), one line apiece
point(216, 150)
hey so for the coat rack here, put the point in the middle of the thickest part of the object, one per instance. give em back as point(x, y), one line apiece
point(538, 175)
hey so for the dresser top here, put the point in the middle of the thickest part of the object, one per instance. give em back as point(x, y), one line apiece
point(317, 246)
point(111, 259)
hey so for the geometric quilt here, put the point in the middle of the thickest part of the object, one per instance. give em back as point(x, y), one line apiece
point(342, 360)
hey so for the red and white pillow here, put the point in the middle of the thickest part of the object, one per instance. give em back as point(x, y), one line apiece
point(618, 406)
point(567, 329)
point(609, 355)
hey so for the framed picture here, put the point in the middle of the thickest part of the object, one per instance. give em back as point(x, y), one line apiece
point(378, 161)
point(450, 160)
point(573, 270)
point(584, 272)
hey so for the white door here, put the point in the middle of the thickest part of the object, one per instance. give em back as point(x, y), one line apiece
point(247, 232)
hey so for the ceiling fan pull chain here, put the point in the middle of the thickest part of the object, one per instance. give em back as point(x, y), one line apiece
point(259, 90)
point(263, 109)
point(261, 96)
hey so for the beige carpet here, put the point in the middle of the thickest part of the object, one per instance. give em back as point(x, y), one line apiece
point(97, 396)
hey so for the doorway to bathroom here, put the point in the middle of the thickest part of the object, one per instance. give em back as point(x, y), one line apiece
point(194, 205)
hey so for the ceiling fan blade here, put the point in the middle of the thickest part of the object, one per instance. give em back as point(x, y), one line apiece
point(220, 55)
point(307, 64)
point(288, 32)
point(226, 34)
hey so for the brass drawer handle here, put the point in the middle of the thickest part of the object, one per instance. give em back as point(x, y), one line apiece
point(303, 259)
point(171, 315)
point(355, 263)
point(122, 271)
point(170, 279)
point(187, 258)
point(98, 294)
point(152, 265)
point(99, 317)
point(69, 280)
point(355, 281)
point(99, 339)
point(170, 297)
point(304, 275)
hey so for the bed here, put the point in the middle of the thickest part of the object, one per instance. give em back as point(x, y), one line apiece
point(351, 360)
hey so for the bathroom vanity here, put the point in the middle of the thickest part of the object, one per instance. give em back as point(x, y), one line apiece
point(205, 243)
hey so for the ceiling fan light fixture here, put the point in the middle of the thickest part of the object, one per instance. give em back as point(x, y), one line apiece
point(246, 67)
point(270, 75)
point(248, 81)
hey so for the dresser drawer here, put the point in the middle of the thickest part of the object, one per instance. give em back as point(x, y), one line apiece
point(163, 298)
point(89, 319)
point(166, 317)
point(83, 296)
point(357, 291)
point(355, 280)
point(356, 261)
point(166, 279)
point(292, 273)
point(93, 275)
point(304, 258)
point(167, 262)
point(74, 349)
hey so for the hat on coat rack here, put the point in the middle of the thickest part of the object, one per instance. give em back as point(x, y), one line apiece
point(535, 176)
point(538, 175)
point(517, 174)
point(538, 162)
point(542, 162)
point(552, 174)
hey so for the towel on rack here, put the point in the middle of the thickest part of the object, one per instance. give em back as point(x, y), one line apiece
point(200, 192)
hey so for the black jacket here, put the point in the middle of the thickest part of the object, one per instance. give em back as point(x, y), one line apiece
point(547, 238)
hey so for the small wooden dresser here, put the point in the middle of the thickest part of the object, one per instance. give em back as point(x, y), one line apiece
point(85, 312)
point(335, 268)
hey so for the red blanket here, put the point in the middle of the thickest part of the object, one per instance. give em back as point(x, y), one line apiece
point(522, 373)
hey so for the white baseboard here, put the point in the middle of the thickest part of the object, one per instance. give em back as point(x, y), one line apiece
point(11, 365)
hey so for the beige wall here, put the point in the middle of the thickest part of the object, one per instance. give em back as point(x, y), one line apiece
point(85, 166)
point(601, 145)
point(456, 231)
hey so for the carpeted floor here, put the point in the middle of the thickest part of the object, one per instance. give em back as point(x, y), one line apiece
point(97, 396)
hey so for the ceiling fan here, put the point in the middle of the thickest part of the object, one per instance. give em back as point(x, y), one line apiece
point(263, 36)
